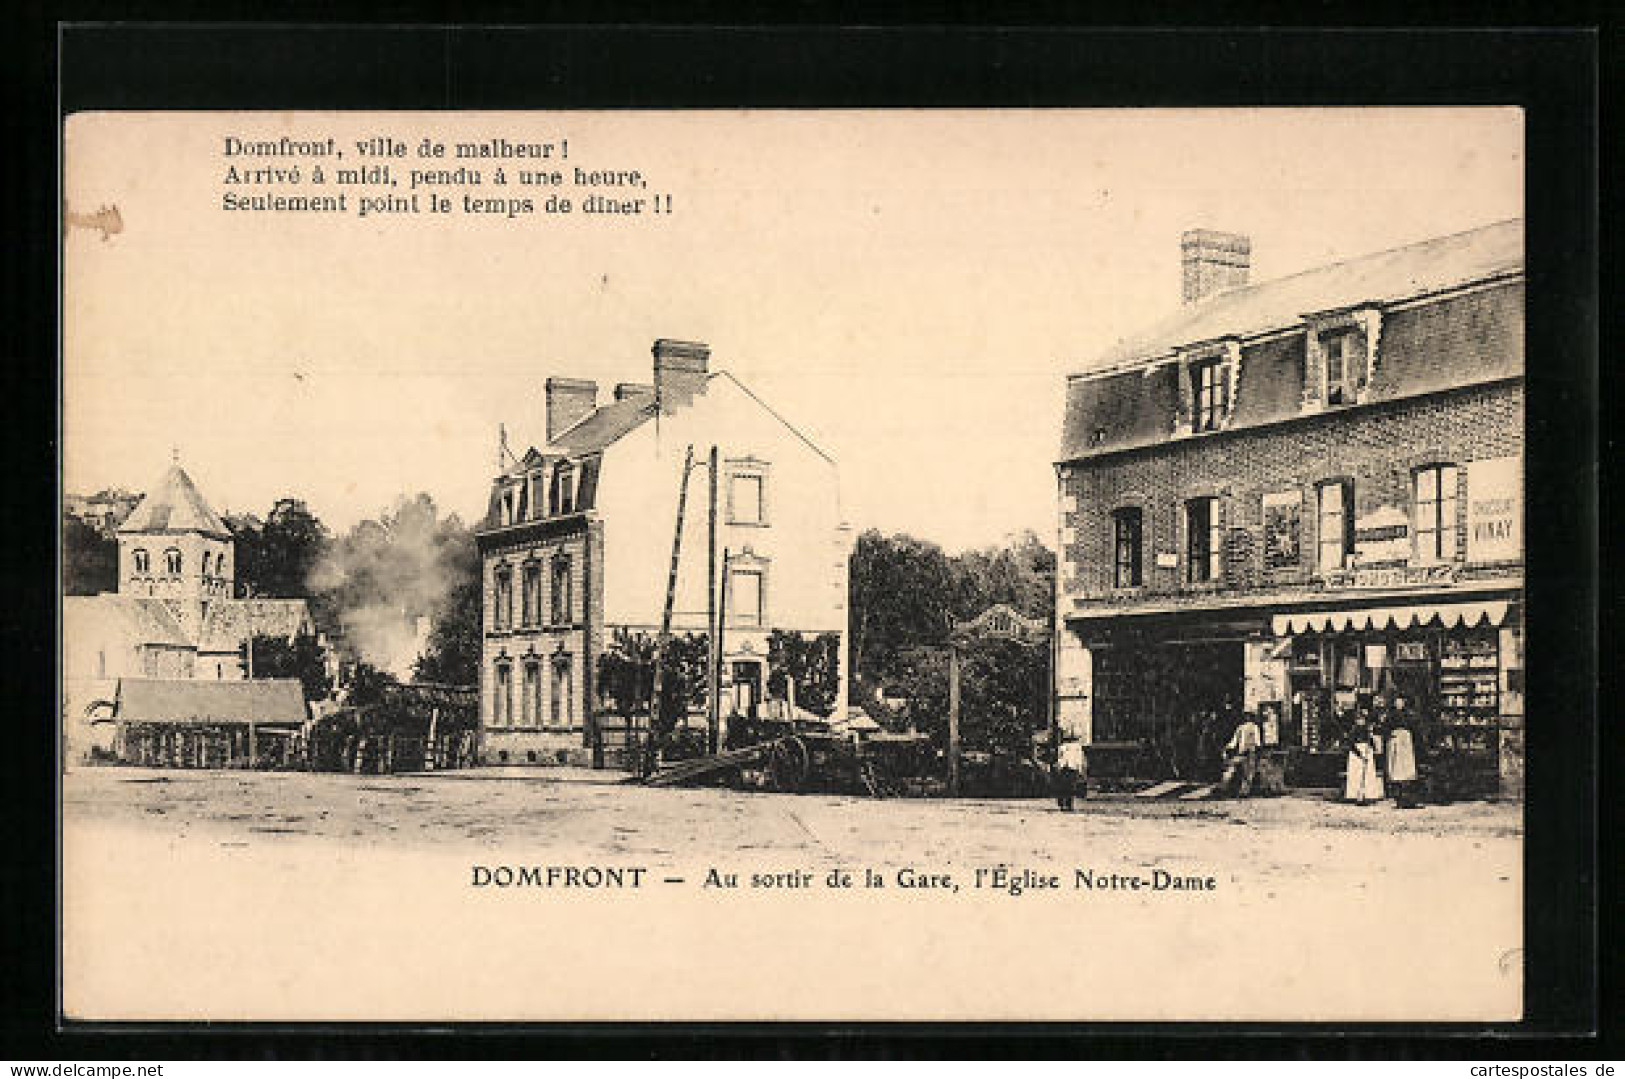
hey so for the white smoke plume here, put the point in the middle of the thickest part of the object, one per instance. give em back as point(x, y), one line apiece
point(387, 575)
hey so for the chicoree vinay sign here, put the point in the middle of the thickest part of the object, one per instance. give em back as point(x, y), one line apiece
point(1495, 510)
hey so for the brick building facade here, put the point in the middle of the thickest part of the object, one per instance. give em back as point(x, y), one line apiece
point(1297, 496)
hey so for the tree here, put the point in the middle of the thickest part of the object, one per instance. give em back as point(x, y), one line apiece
point(292, 542)
point(277, 556)
point(626, 672)
point(906, 595)
point(302, 657)
point(89, 559)
point(900, 588)
point(811, 664)
point(453, 653)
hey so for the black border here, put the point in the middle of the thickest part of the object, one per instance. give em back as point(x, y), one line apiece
point(1551, 72)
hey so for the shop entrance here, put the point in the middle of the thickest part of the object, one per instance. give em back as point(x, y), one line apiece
point(1179, 699)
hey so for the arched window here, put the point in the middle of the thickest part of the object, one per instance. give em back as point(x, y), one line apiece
point(143, 564)
point(205, 564)
point(172, 562)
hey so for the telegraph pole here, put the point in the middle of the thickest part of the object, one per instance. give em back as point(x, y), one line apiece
point(953, 719)
point(665, 616)
point(722, 621)
point(713, 707)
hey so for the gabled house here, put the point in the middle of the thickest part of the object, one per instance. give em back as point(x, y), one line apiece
point(577, 545)
point(1296, 496)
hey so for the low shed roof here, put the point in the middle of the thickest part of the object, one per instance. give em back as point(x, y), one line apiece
point(265, 701)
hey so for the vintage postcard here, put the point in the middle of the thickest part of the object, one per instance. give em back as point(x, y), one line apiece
point(890, 565)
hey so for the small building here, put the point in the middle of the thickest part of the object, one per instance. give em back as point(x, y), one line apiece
point(1296, 495)
point(576, 548)
point(175, 614)
point(189, 723)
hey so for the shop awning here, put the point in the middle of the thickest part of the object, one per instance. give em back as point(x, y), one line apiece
point(1448, 615)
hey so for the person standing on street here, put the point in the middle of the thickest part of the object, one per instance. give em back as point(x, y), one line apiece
point(1402, 774)
point(1241, 758)
point(1071, 773)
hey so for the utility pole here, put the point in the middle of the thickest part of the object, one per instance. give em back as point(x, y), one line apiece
point(664, 639)
point(953, 719)
point(248, 650)
point(713, 706)
point(722, 621)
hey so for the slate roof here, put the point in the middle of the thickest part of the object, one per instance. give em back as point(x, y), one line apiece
point(227, 622)
point(174, 504)
point(1385, 277)
point(146, 621)
point(275, 702)
point(606, 424)
point(1462, 340)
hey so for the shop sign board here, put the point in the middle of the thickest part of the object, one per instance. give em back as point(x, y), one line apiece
point(1411, 652)
point(1283, 515)
point(1393, 577)
point(1495, 510)
point(1382, 537)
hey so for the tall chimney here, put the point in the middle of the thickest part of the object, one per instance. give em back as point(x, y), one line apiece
point(681, 369)
point(569, 400)
point(1213, 262)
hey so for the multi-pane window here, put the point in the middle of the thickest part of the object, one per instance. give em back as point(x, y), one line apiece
point(745, 498)
point(745, 597)
point(502, 705)
point(1210, 385)
point(530, 701)
point(502, 607)
point(1336, 525)
point(530, 594)
point(172, 562)
point(142, 563)
point(563, 607)
point(1335, 348)
point(563, 691)
point(1126, 542)
point(1435, 513)
point(563, 495)
point(1202, 543)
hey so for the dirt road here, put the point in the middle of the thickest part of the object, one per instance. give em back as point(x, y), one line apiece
point(1299, 906)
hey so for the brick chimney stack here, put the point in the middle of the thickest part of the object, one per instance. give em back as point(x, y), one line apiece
point(623, 390)
point(569, 400)
point(681, 370)
point(1213, 262)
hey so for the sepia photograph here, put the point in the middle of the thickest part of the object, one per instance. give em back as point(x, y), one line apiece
point(1024, 565)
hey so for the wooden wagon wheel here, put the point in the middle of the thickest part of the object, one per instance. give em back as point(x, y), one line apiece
point(789, 764)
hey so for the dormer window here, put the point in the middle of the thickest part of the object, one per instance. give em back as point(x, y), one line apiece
point(1210, 390)
point(1206, 379)
point(562, 497)
point(1338, 354)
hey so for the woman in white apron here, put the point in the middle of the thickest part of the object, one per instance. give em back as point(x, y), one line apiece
point(1362, 783)
point(1402, 774)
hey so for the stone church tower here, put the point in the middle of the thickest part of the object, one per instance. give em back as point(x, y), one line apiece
point(174, 547)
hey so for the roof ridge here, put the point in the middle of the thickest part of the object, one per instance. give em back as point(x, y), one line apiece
point(1324, 266)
